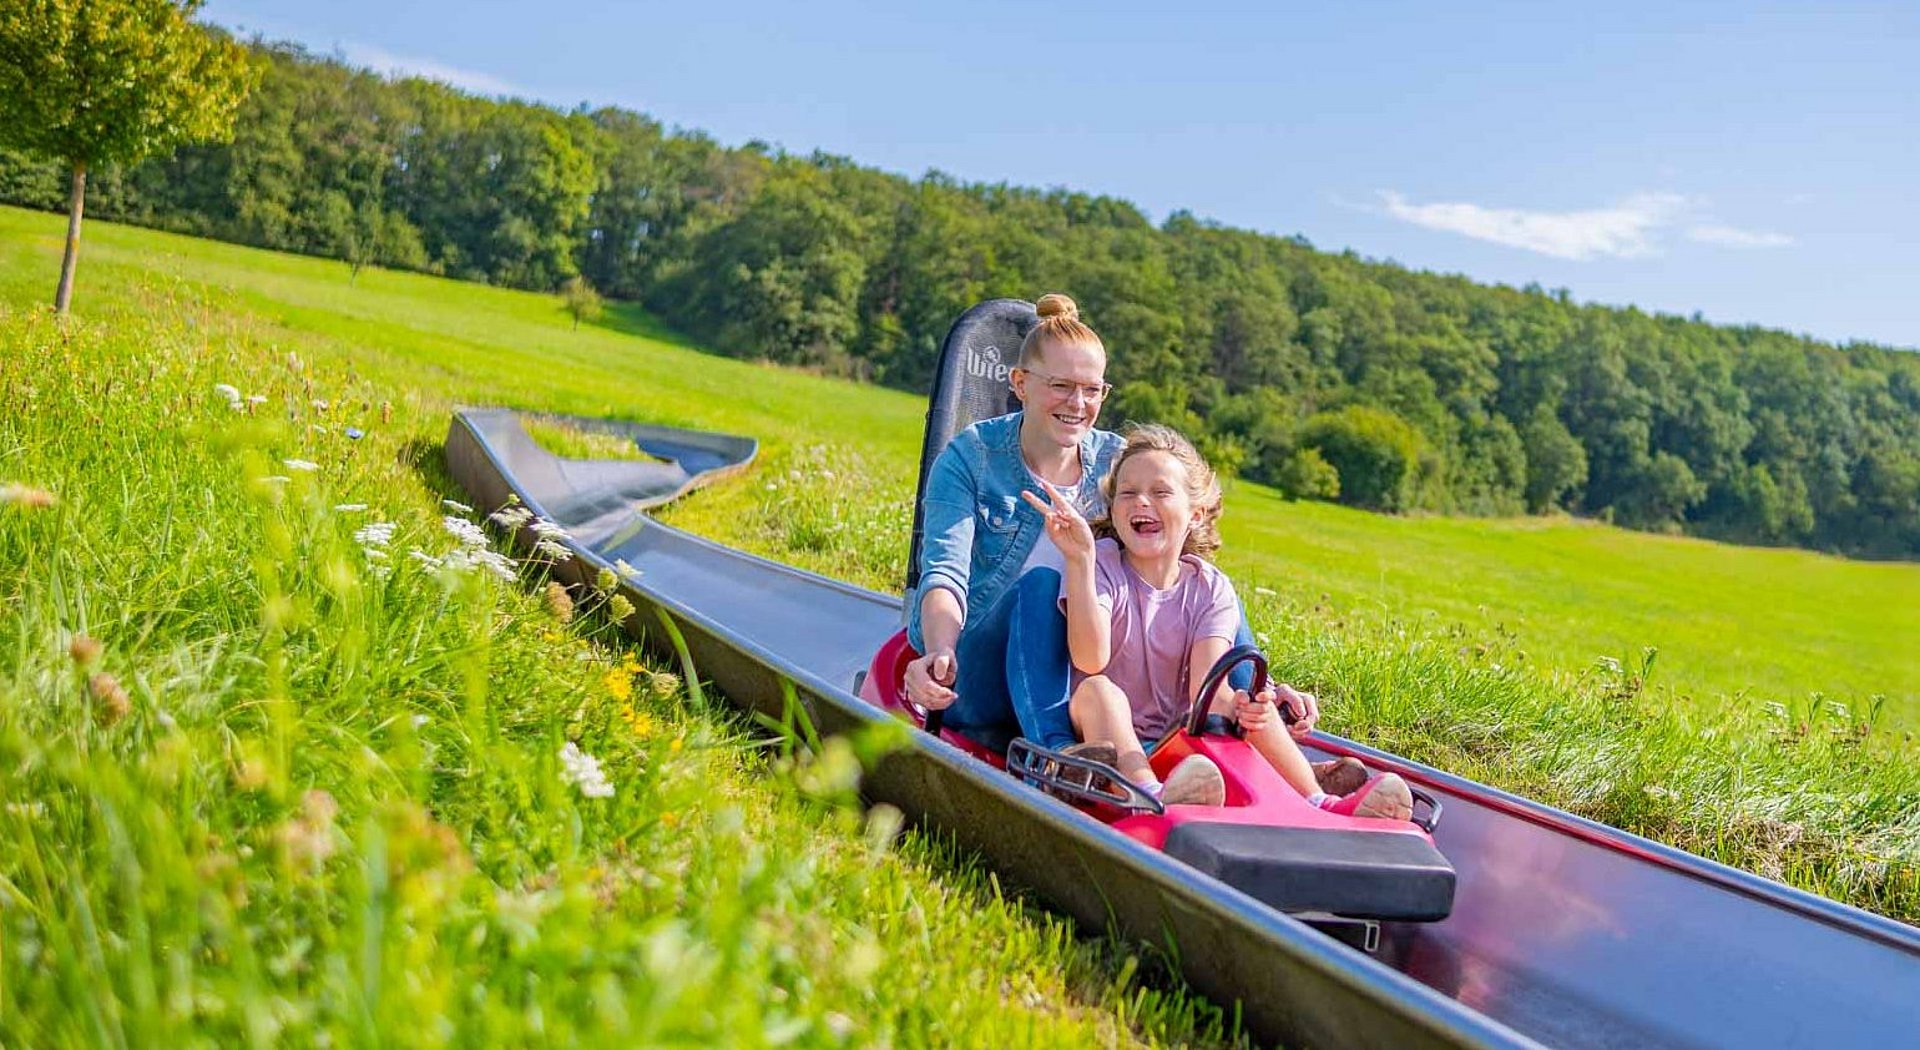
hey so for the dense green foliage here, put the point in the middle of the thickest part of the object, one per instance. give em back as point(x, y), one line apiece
point(1476, 399)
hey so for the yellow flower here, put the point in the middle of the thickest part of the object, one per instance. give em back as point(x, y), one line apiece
point(640, 722)
point(620, 684)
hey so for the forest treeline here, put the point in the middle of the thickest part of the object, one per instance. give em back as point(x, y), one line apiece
point(1325, 374)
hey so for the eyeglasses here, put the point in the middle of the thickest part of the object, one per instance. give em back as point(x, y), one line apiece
point(1064, 388)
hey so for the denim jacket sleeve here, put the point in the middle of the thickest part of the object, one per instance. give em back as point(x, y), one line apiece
point(946, 542)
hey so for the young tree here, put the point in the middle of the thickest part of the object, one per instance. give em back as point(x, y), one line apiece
point(95, 82)
point(582, 301)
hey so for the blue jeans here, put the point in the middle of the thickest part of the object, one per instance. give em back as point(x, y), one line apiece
point(1014, 665)
point(1015, 668)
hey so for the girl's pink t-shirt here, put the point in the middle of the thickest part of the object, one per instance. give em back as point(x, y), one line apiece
point(1154, 632)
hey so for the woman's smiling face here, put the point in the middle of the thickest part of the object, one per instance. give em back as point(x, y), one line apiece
point(1152, 507)
point(1055, 390)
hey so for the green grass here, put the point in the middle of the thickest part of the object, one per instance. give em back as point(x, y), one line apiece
point(171, 879)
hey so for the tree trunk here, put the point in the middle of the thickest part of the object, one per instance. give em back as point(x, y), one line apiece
point(74, 203)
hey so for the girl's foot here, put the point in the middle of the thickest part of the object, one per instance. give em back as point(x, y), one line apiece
point(1341, 776)
point(1385, 796)
point(1196, 781)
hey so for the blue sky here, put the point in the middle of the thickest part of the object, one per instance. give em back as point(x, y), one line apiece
point(1754, 163)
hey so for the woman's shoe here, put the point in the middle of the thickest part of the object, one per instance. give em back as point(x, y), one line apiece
point(1341, 776)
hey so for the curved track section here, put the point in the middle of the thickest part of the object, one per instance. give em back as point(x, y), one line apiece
point(1564, 932)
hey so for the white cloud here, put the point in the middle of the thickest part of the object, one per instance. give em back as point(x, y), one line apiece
point(381, 60)
point(1624, 230)
point(1734, 237)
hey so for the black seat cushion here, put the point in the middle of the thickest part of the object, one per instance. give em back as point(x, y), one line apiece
point(1359, 874)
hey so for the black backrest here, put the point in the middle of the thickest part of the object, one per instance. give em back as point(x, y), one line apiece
point(969, 385)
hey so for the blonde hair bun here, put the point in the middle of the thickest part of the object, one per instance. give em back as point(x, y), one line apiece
point(1053, 304)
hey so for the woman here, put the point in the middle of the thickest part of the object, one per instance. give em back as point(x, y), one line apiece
point(986, 615)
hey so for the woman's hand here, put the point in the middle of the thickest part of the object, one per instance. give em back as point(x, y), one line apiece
point(1066, 527)
point(1305, 706)
point(930, 679)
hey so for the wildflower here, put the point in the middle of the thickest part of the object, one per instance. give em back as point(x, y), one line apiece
point(111, 703)
point(552, 550)
point(510, 517)
point(559, 602)
point(349, 508)
point(308, 839)
point(84, 650)
point(465, 531)
point(305, 465)
point(373, 534)
point(320, 404)
point(424, 558)
point(256, 399)
point(26, 496)
point(605, 580)
point(639, 722)
point(620, 684)
point(663, 683)
point(620, 566)
point(548, 530)
point(228, 391)
point(456, 505)
point(620, 608)
point(583, 771)
point(355, 433)
point(420, 720)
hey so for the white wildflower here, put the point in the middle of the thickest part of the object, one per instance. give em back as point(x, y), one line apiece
point(424, 558)
point(548, 530)
point(456, 505)
point(467, 559)
point(300, 464)
point(620, 565)
point(349, 508)
point(511, 517)
point(228, 391)
point(465, 531)
point(256, 399)
point(552, 549)
point(374, 534)
point(420, 720)
point(583, 771)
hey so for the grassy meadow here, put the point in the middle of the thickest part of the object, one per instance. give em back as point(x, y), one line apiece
point(320, 793)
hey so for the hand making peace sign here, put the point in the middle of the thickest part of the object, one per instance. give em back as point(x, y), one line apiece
point(1066, 527)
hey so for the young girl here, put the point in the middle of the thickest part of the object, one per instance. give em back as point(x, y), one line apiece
point(1148, 615)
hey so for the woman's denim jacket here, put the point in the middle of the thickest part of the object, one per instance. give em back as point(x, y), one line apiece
point(977, 530)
